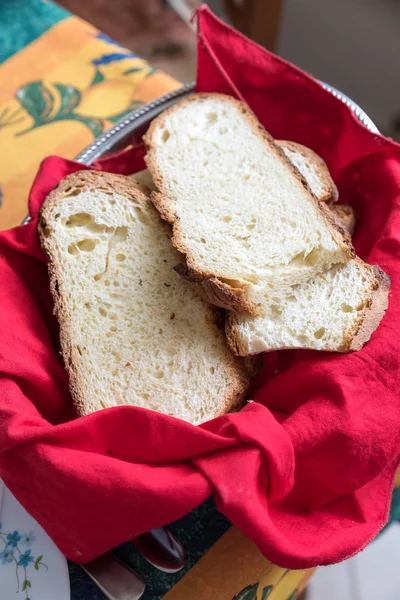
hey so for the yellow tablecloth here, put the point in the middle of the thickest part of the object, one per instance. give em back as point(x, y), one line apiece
point(56, 95)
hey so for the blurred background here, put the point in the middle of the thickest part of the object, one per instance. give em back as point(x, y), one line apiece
point(352, 44)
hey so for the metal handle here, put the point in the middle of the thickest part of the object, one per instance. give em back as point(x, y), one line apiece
point(116, 580)
point(162, 550)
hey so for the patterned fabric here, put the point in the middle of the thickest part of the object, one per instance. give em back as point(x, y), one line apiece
point(59, 92)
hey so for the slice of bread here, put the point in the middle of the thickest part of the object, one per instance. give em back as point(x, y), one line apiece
point(315, 171)
point(337, 311)
point(132, 331)
point(313, 168)
point(242, 216)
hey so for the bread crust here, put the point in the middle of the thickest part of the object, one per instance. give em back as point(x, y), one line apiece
point(345, 216)
point(373, 313)
point(237, 369)
point(217, 289)
point(331, 195)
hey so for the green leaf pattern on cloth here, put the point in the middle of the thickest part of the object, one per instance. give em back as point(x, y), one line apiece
point(248, 593)
point(60, 102)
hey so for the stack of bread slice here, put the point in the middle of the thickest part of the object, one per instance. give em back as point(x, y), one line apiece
point(261, 237)
point(132, 330)
point(255, 231)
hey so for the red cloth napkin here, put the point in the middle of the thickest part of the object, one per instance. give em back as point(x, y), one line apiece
point(307, 470)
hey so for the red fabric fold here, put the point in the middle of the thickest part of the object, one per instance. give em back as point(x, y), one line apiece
point(307, 469)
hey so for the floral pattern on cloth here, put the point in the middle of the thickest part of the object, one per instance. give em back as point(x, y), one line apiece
point(17, 554)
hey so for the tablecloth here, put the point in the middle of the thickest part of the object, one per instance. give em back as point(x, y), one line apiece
point(62, 84)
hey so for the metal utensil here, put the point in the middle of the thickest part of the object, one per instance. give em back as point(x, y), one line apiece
point(162, 550)
point(114, 578)
point(118, 581)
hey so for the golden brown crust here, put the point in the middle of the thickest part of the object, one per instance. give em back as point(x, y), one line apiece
point(374, 311)
point(138, 193)
point(345, 216)
point(211, 285)
point(231, 338)
point(331, 195)
point(217, 292)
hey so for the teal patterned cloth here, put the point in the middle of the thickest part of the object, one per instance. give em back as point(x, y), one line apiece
point(22, 21)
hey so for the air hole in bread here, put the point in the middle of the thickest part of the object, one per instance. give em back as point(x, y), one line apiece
point(120, 257)
point(87, 245)
point(212, 117)
point(275, 312)
point(72, 249)
point(79, 220)
point(107, 282)
point(98, 276)
point(212, 370)
point(203, 241)
point(116, 283)
point(165, 136)
point(250, 226)
point(227, 219)
point(74, 192)
point(347, 308)
point(159, 374)
point(222, 130)
point(102, 311)
point(319, 333)
point(113, 317)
